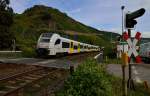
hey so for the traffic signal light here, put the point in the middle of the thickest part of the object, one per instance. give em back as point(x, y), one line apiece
point(129, 20)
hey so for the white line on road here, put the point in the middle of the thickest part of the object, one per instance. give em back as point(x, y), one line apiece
point(46, 61)
point(135, 72)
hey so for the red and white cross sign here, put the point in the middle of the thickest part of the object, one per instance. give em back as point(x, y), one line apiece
point(132, 45)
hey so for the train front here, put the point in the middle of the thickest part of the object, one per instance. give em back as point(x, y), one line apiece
point(43, 44)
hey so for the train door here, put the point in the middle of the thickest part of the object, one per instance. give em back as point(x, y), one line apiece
point(57, 46)
point(79, 48)
point(71, 49)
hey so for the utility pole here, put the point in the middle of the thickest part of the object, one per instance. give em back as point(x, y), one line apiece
point(14, 44)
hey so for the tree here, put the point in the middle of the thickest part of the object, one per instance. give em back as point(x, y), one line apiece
point(6, 20)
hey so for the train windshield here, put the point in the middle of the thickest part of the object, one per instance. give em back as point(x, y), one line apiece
point(43, 40)
point(48, 35)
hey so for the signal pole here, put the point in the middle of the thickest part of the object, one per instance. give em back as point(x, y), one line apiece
point(130, 80)
point(130, 22)
point(122, 8)
point(124, 87)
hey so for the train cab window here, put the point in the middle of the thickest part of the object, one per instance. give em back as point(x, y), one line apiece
point(75, 47)
point(86, 47)
point(47, 35)
point(65, 45)
point(45, 40)
point(57, 41)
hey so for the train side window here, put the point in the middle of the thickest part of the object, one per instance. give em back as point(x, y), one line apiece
point(75, 47)
point(65, 45)
point(57, 41)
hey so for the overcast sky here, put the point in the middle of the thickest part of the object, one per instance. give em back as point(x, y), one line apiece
point(100, 14)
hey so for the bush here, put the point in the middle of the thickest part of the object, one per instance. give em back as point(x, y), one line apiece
point(28, 52)
point(90, 79)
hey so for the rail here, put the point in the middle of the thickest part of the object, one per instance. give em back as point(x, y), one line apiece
point(28, 78)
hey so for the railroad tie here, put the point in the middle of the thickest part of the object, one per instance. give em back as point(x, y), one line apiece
point(12, 82)
point(3, 92)
point(28, 81)
point(35, 76)
point(11, 87)
point(30, 78)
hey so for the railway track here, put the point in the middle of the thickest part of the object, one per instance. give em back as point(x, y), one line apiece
point(15, 78)
point(7, 70)
point(13, 84)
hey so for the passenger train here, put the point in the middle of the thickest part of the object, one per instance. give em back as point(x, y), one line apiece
point(52, 44)
point(145, 51)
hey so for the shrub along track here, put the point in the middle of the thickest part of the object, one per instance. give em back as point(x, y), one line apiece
point(14, 83)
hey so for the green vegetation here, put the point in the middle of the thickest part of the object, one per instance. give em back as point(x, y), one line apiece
point(10, 55)
point(28, 26)
point(6, 20)
point(112, 60)
point(91, 79)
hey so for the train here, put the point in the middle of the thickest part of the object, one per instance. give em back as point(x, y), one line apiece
point(145, 51)
point(53, 44)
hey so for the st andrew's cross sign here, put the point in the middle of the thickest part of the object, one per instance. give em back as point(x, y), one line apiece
point(132, 45)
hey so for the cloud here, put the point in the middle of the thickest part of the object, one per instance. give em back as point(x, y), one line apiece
point(19, 5)
point(145, 4)
point(146, 34)
point(75, 11)
point(116, 30)
point(133, 32)
point(135, 4)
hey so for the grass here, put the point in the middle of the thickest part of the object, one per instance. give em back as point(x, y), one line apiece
point(10, 55)
point(112, 61)
point(91, 79)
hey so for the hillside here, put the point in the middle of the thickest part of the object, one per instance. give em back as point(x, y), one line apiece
point(33, 21)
